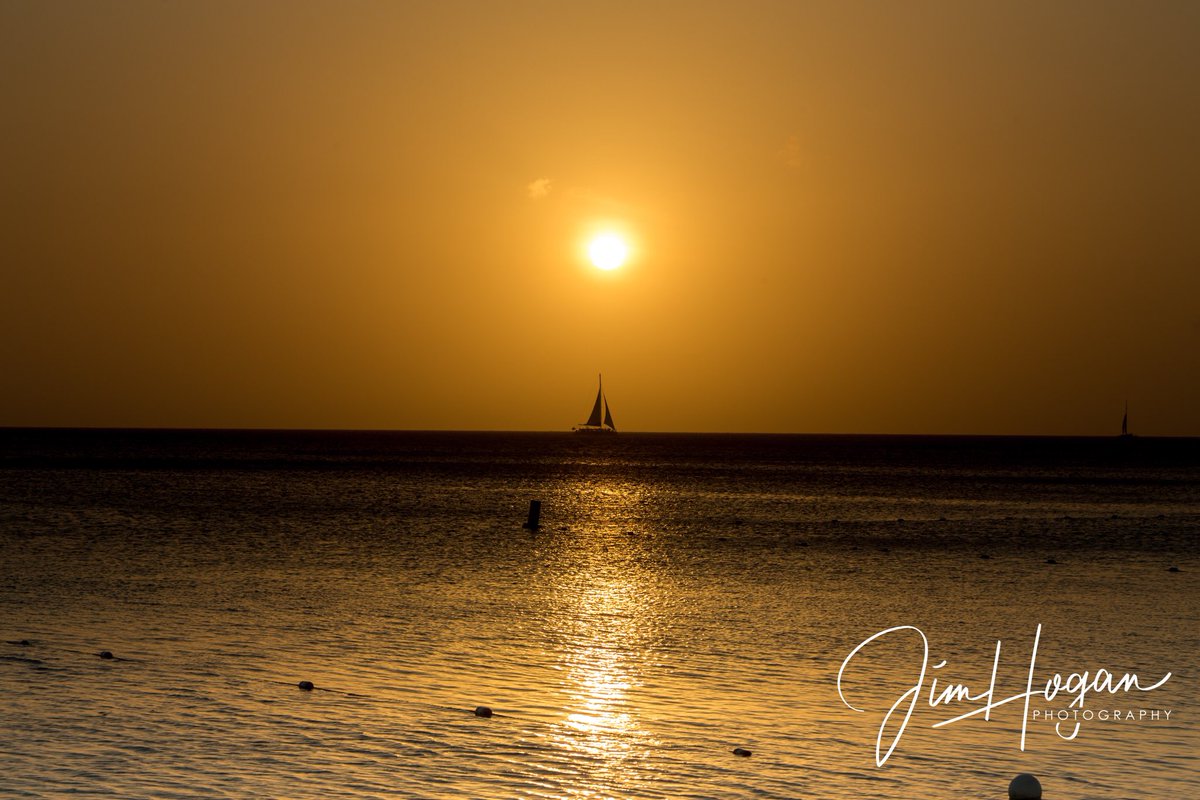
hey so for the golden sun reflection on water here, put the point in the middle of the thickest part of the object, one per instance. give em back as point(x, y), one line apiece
point(608, 614)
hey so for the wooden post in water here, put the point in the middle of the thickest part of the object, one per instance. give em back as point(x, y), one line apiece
point(535, 511)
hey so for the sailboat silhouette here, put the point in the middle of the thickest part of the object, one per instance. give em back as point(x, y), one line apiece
point(1125, 434)
point(594, 425)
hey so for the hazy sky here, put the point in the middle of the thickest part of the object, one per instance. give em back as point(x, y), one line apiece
point(845, 217)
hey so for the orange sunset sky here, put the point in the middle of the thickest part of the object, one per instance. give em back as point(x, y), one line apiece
point(929, 217)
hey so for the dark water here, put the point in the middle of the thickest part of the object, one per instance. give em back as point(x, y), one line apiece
point(684, 596)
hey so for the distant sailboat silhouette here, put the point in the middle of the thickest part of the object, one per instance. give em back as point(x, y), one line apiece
point(1125, 434)
point(594, 425)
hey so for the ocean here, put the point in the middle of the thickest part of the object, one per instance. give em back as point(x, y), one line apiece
point(685, 596)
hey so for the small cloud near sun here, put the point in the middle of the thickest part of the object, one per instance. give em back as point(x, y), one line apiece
point(792, 155)
point(539, 188)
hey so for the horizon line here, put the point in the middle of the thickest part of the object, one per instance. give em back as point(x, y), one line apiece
point(258, 429)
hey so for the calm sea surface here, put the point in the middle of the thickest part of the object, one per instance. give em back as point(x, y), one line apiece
point(685, 596)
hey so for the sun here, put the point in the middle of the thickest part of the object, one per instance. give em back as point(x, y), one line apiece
point(608, 251)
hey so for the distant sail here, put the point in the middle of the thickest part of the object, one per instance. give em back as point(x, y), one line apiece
point(608, 415)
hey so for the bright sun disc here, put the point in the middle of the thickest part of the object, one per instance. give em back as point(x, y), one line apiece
point(608, 251)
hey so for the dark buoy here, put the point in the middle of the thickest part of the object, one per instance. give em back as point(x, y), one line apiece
point(1025, 787)
point(1172, 569)
point(306, 685)
point(741, 751)
point(106, 654)
point(984, 556)
point(535, 512)
point(1051, 561)
point(483, 711)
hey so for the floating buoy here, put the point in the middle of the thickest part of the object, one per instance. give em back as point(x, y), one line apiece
point(984, 556)
point(1025, 787)
point(105, 654)
point(1051, 561)
point(482, 711)
point(741, 751)
point(535, 513)
point(1172, 569)
point(306, 685)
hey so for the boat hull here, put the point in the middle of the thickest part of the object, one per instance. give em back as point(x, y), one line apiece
point(592, 429)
